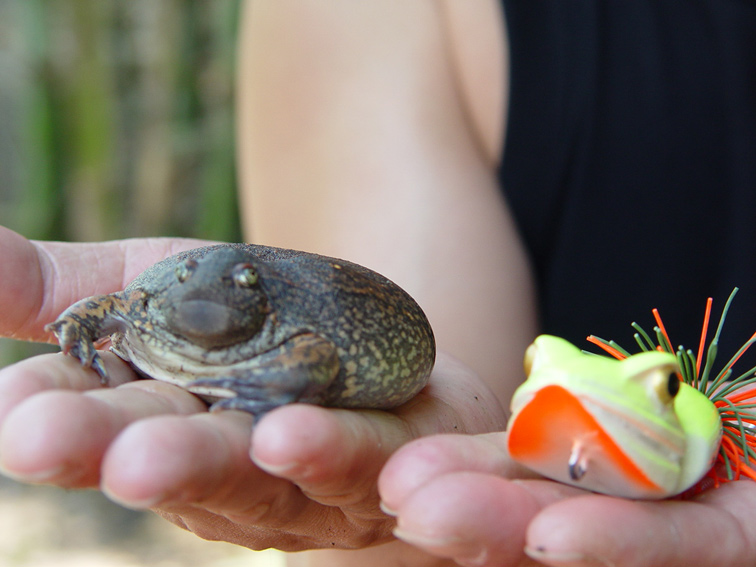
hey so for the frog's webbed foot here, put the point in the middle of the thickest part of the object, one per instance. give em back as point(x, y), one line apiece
point(80, 326)
point(299, 370)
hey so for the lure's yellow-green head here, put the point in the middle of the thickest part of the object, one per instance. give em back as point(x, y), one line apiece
point(627, 427)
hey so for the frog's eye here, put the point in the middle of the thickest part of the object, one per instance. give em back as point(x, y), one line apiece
point(667, 386)
point(185, 269)
point(244, 275)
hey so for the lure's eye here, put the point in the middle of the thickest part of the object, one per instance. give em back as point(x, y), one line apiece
point(185, 269)
point(244, 275)
point(673, 384)
point(667, 387)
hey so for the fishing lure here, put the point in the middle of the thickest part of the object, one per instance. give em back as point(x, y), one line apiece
point(649, 425)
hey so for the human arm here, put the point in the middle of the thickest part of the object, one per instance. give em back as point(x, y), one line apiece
point(357, 140)
point(361, 138)
point(327, 229)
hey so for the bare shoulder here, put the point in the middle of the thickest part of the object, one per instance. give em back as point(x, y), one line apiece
point(479, 54)
point(371, 131)
point(301, 60)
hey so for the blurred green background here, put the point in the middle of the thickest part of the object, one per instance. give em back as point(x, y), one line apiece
point(116, 120)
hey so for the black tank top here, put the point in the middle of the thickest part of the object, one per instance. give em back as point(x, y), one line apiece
point(630, 162)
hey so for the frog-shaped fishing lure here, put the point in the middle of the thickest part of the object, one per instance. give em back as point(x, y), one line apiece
point(628, 428)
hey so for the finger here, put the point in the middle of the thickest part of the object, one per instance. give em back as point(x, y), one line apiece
point(59, 437)
point(715, 530)
point(331, 458)
point(173, 460)
point(55, 372)
point(196, 471)
point(334, 456)
point(299, 442)
point(459, 398)
point(475, 519)
point(41, 279)
point(22, 290)
point(420, 461)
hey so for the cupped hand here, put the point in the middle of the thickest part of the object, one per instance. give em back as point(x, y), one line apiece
point(304, 478)
point(452, 498)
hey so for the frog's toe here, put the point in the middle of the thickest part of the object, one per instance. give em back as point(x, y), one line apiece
point(67, 333)
point(257, 408)
point(55, 327)
point(244, 395)
point(99, 367)
point(246, 388)
point(217, 387)
point(88, 357)
point(231, 384)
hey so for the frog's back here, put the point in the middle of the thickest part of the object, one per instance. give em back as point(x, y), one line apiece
point(383, 338)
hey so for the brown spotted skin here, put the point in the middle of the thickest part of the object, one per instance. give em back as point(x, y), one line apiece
point(252, 327)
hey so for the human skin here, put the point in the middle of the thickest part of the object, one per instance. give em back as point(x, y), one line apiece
point(368, 130)
point(413, 97)
point(148, 444)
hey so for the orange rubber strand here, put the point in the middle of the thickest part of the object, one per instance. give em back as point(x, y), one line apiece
point(608, 348)
point(704, 332)
point(661, 326)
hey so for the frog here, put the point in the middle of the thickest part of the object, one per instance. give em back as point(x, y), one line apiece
point(629, 428)
point(252, 328)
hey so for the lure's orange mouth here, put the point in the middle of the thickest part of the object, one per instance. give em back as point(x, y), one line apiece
point(581, 447)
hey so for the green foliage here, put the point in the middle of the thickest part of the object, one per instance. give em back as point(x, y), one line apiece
point(116, 120)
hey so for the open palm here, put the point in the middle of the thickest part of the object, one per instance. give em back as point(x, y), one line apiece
point(305, 477)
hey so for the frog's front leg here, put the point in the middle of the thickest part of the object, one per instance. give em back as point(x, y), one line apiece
point(299, 370)
point(86, 321)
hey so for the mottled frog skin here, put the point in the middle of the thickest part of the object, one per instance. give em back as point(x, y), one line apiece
point(252, 327)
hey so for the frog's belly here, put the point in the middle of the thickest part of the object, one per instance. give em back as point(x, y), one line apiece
point(168, 365)
point(555, 427)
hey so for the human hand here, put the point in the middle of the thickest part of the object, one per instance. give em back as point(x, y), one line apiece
point(306, 480)
point(452, 498)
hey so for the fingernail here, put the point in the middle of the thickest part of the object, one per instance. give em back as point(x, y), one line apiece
point(36, 477)
point(451, 547)
point(286, 470)
point(566, 558)
point(274, 469)
point(422, 540)
point(132, 503)
point(388, 511)
point(475, 560)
